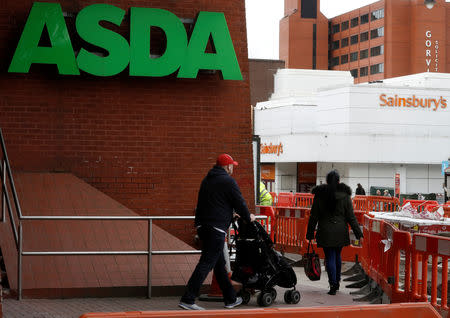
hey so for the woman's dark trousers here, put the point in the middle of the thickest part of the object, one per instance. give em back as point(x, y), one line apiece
point(333, 264)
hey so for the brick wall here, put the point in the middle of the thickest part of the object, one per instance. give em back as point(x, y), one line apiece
point(146, 142)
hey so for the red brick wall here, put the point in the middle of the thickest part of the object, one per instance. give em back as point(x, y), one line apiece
point(146, 142)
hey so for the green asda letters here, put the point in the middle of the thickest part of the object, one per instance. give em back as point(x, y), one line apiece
point(186, 57)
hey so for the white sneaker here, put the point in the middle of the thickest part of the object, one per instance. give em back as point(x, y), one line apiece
point(235, 304)
point(190, 306)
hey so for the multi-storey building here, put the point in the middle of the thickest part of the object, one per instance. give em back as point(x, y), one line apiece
point(388, 38)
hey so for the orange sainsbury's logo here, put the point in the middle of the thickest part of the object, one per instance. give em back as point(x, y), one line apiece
point(413, 101)
point(272, 149)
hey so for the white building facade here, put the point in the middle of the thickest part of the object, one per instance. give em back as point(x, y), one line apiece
point(368, 132)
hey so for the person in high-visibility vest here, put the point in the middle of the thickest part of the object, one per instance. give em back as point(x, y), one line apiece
point(265, 198)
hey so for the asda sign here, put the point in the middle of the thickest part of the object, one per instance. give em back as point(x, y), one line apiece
point(182, 55)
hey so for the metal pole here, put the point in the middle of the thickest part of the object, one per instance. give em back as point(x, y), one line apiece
point(19, 264)
point(149, 269)
point(3, 190)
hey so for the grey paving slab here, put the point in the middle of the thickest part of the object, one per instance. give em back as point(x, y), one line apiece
point(313, 294)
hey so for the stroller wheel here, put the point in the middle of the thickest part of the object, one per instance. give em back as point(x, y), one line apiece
point(273, 293)
point(291, 296)
point(265, 299)
point(287, 296)
point(245, 294)
point(295, 297)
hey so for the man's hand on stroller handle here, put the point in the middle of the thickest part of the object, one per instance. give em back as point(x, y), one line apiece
point(237, 216)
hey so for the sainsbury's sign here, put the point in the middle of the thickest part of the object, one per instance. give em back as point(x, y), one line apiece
point(186, 57)
point(271, 149)
point(413, 102)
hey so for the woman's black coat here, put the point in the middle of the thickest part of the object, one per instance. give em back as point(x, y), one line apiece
point(332, 230)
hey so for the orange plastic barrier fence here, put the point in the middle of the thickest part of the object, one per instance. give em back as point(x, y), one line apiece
point(303, 200)
point(420, 205)
point(423, 310)
point(369, 203)
point(425, 247)
point(447, 210)
point(383, 247)
point(285, 199)
point(274, 198)
point(269, 223)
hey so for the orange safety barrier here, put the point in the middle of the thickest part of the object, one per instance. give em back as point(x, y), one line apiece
point(274, 198)
point(421, 204)
point(369, 203)
point(285, 199)
point(269, 223)
point(303, 200)
point(407, 310)
point(447, 210)
point(424, 247)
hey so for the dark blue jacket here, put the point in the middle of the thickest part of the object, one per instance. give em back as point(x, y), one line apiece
point(218, 196)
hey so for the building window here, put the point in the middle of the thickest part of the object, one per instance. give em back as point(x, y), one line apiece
point(344, 25)
point(364, 37)
point(354, 22)
point(365, 19)
point(377, 33)
point(344, 42)
point(354, 73)
point(344, 59)
point(363, 71)
point(335, 28)
point(353, 56)
point(378, 50)
point(335, 45)
point(354, 39)
point(334, 61)
point(364, 54)
point(377, 68)
point(377, 14)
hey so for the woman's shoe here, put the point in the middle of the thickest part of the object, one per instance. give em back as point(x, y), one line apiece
point(333, 289)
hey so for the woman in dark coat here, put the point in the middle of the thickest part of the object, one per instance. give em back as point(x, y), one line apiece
point(332, 210)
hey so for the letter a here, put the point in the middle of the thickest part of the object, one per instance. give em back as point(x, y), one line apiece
point(60, 53)
point(211, 24)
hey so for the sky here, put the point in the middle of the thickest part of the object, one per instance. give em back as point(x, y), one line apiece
point(263, 18)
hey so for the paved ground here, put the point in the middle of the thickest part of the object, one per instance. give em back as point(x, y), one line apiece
point(312, 294)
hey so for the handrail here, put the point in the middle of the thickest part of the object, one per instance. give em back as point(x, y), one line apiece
point(11, 180)
point(149, 252)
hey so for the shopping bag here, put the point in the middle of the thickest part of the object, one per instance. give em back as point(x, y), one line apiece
point(312, 264)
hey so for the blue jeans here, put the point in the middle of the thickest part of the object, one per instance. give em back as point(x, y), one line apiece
point(333, 264)
point(212, 257)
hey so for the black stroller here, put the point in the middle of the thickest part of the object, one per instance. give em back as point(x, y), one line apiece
point(259, 267)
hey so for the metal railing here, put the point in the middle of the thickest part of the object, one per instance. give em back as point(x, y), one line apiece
point(149, 252)
point(5, 170)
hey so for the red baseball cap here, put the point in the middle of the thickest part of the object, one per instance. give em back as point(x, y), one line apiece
point(225, 159)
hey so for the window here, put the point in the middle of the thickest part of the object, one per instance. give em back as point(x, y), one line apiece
point(344, 25)
point(354, 39)
point(377, 33)
point(378, 50)
point(344, 42)
point(377, 14)
point(364, 37)
point(334, 61)
point(335, 28)
point(344, 59)
point(335, 45)
point(364, 19)
point(354, 22)
point(353, 56)
point(377, 68)
point(363, 71)
point(354, 72)
point(364, 54)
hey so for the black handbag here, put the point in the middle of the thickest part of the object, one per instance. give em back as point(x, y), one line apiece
point(312, 264)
